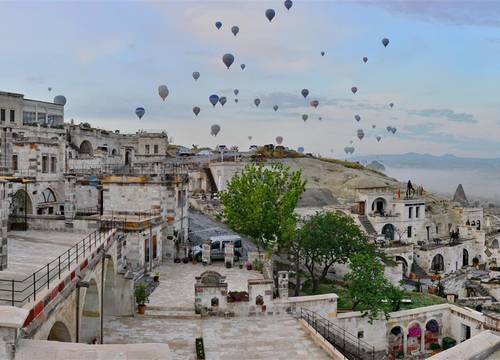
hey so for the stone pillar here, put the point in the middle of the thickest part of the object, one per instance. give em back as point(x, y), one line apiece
point(283, 284)
point(4, 220)
point(405, 342)
point(205, 254)
point(12, 320)
point(69, 201)
point(229, 255)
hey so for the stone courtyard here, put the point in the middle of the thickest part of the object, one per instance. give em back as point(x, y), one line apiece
point(170, 318)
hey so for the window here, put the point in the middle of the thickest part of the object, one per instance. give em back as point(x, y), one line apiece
point(437, 263)
point(13, 116)
point(29, 117)
point(417, 212)
point(147, 149)
point(55, 120)
point(47, 196)
point(156, 149)
point(53, 164)
point(408, 231)
point(215, 245)
point(42, 118)
point(410, 212)
point(14, 162)
point(2, 114)
point(45, 164)
point(155, 246)
point(361, 334)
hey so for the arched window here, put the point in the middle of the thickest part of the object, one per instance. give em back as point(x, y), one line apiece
point(47, 196)
point(494, 244)
point(438, 263)
point(86, 148)
point(388, 231)
point(214, 302)
point(465, 258)
point(259, 300)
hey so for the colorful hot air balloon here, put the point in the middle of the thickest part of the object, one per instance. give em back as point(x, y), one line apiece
point(140, 112)
point(322, 53)
point(279, 140)
point(218, 25)
point(236, 92)
point(242, 66)
point(361, 134)
point(357, 117)
point(235, 30)
point(374, 126)
point(228, 60)
point(196, 75)
point(256, 102)
point(300, 149)
point(50, 89)
point(275, 107)
point(270, 14)
point(391, 105)
point(314, 103)
point(320, 118)
point(304, 93)
point(379, 138)
point(394, 130)
point(305, 117)
point(196, 110)
point(214, 130)
point(60, 100)
point(288, 4)
point(365, 59)
point(354, 89)
point(222, 100)
point(163, 91)
point(385, 42)
point(214, 99)
point(389, 128)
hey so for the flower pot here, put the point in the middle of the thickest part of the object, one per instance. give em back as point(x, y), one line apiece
point(241, 266)
point(413, 276)
point(264, 307)
point(249, 267)
point(156, 278)
point(141, 309)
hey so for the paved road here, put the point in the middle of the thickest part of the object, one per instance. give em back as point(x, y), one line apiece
point(201, 228)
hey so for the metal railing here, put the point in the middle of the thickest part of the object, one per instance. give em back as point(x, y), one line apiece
point(351, 346)
point(21, 292)
point(135, 169)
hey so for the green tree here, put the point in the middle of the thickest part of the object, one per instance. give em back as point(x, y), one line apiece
point(368, 288)
point(328, 238)
point(260, 203)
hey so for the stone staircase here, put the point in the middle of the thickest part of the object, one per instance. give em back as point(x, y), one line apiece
point(367, 225)
point(170, 312)
point(484, 292)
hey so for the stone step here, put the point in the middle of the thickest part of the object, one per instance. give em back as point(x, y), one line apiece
point(171, 314)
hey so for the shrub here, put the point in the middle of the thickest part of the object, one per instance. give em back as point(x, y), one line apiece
point(448, 342)
point(200, 349)
point(435, 346)
point(257, 265)
point(141, 296)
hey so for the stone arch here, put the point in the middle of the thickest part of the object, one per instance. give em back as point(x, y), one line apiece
point(259, 300)
point(21, 203)
point(214, 302)
point(478, 223)
point(114, 152)
point(86, 148)
point(388, 231)
point(396, 342)
point(128, 157)
point(405, 265)
point(494, 244)
point(431, 333)
point(109, 295)
point(437, 263)
point(59, 332)
point(379, 205)
point(414, 334)
point(465, 257)
point(47, 196)
point(90, 314)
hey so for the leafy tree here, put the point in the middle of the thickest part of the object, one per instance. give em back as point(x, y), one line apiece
point(260, 203)
point(369, 289)
point(328, 238)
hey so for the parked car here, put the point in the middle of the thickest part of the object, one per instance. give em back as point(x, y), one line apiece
point(217, 246)
point(221, 147)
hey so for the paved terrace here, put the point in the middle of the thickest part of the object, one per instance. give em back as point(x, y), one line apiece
point(170, 318)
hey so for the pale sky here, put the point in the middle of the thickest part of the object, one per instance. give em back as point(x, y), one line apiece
point(440, 70)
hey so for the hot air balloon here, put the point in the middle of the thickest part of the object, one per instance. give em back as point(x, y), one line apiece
point(361, 134)
point(236, 92)
point(374, 126)
point(288, 4)
point(196, 110)
point(228, 59)
point(250, 137)
point(50, 89)
point(394, 130)
point(305, 117)
point(346, 149)
point(163, 91)
point(275, 107)
point(235, 30)
point(300, 149)
point(270, 14)
point(314, 103)
point(304, 93)
point(218, 25)
point(365, 59)
point(279, 140)
point(385, 42)
point(322, 53)
point(320, 118)
point(236, 100)
point(140, 112)
point(354, 89)
point(214, 130)
point(388, 128)
point(391, 105)
point(351, 150)
point(350, 141)
point(196, 75)
point(60, 100)
point(256, 102)
point(214, 99)
point(357, 117)
point(222, 100)
point(379, 138)
point(242, 66)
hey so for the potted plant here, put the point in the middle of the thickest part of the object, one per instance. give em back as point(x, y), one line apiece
point(240, 264)
point(248, 265)
point(156, 278)
point(141, 297)
point(185, 260)
point(435, 347)
point(177, 260)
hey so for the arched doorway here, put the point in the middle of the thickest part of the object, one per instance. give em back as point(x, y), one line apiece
point(478, 223)
point(431, 333)
point(86, 148)
point(437, 263)
point(388, 231)
point(59, 332)
point(379, 206)
point(465, 258)
point(396, 347)
point(127, 157)
point(494, 244)
point(20, 207)
point(109, 289)
point(414, 339)
point(90, 317)
point(405, 265)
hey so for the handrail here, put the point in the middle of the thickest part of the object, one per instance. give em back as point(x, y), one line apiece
point(20, 292)
point(348, 344)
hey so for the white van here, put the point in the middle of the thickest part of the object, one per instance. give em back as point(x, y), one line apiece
point(217, 246)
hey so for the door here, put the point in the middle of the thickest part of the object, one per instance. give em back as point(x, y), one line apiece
point(361, 208)
point(146, 252)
